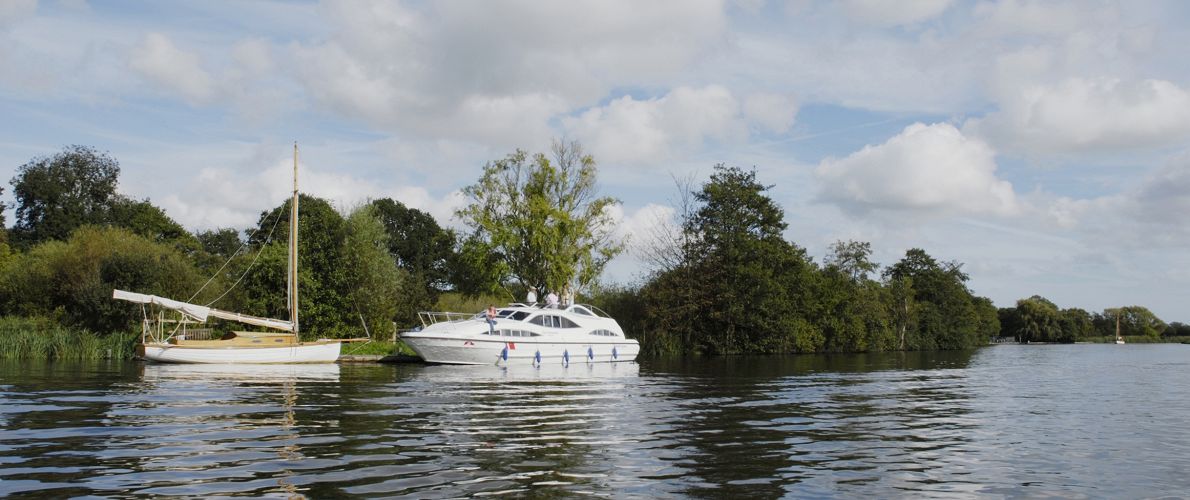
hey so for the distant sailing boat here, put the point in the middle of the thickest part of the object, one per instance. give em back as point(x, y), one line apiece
point(1119, 339)
point(180, 345)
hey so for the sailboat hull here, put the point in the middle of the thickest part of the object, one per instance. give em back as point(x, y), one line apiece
point(320, 352)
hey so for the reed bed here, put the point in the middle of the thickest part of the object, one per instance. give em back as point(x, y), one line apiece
point(39, 338)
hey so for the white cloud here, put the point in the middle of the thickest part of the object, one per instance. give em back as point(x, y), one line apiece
point(925, 168)
point(639, 227)
point(179, 71)
point(235, 196)
point(884, 13)
point(495, 72)
point(1010, 17)
point(628, 130)
point(254, 56)
point(773, 112)
point(1088, 114)
point(13, 11)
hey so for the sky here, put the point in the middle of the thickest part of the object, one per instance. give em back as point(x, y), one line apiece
point(1043, 144)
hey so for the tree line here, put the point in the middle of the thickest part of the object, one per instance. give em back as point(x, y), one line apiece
point(75, 239)
point(1036, 319)
point(722, 280)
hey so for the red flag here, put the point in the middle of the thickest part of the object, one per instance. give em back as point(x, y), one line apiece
point(511, 345)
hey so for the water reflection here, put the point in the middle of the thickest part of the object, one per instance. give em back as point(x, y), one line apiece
point(913, 425)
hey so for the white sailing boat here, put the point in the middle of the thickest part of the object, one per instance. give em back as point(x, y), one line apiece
point(181, 344)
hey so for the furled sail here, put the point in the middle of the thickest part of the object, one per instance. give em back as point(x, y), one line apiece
point(201, 313)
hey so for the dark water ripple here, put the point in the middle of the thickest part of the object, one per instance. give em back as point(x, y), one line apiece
point(1007, 421)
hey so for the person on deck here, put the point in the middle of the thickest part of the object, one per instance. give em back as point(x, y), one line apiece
point(551, 300)
point(532, 298)
point(491, 319)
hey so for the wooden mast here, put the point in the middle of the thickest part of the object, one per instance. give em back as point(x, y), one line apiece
point(293, 246)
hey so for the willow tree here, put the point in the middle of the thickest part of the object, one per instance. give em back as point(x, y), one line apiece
point(538, 220)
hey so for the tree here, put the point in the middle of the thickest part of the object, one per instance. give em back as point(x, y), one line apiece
point(415, 239)
point(423, 251)
point(56, 194)
point(1076, 325)
point(1133, 321)
point(1176, 329)
point(222, 242)
point(323, 279)
point(72, 280)
point(542, 218)
point(946, 316)
point(1039, 320)
point(852, 258)
point(743, 287)
point(857, 311)
point(142, 218)
point(3, 224)
point(374, 282)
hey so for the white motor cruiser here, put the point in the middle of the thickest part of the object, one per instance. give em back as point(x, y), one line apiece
point(522, 334)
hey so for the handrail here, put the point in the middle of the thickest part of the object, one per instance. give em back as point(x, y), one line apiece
point(433, 317)
point(596, 310)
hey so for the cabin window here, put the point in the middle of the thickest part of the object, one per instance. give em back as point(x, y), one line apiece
point(581, 310)
point(551, 321)
point(604, 333)
point(517, 333)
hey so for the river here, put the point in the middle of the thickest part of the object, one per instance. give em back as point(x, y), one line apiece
point(1069, 421)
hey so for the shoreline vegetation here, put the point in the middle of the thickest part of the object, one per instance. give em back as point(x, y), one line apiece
point(42, 339)
point(722, 277)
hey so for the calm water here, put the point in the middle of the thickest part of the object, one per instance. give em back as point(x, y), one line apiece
point(1007, 421)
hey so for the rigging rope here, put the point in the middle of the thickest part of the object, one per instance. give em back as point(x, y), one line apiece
point(233, 254)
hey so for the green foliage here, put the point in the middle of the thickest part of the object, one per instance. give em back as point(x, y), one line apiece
point(73, 280)
point(142, 218)
point(852, 258)
point(742, 287)
point(222, 242)
point(1132, 320)
point(1039, 320)
point(374, 282)
point(1176, 329)
point(539, 218)
point(731, 283)
point(56, 194)
point(323, 279)
point(423, 251)
point(946, 312)
point(465, 303)
point(418, 243)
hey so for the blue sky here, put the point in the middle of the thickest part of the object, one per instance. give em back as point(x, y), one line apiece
point(1043, 144)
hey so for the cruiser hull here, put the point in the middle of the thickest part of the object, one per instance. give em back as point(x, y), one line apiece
point(303, 353)
point(464, 351)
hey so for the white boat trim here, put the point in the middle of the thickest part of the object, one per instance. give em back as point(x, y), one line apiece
point(310, 352)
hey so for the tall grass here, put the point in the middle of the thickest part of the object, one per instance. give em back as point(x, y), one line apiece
point(39, 338)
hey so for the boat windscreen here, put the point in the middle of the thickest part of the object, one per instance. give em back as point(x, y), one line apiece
point(512, 315)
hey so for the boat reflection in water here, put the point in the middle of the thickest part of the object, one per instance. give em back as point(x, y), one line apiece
point(227, 414)
point(256, 373)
